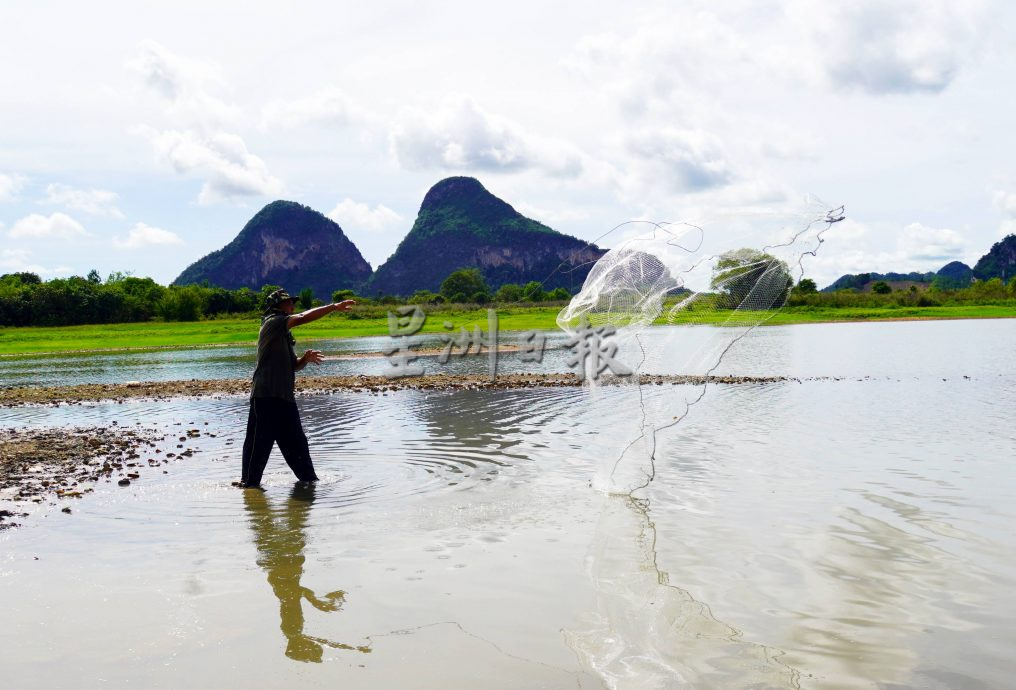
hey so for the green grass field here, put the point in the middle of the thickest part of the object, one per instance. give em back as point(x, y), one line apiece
point(157, 334)
point(795, 315)
point(244, 331)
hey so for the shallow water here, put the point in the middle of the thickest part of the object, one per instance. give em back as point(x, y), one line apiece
point(850, 533)
point(346, 356)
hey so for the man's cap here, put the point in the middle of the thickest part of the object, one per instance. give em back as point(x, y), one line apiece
point(276, 298)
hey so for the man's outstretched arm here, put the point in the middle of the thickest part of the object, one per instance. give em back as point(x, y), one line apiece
point(317, 312)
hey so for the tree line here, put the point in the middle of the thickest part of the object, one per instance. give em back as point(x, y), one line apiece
point(983, 292)
point(27, 300)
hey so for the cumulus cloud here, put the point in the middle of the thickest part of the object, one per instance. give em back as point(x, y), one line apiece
point(198, 142)
point(11, 258)
point(460, 136)
point(876, 46)
point(690, 160)
point(186, 86)
point(1006, 203)
point(142, 235)
point(667, 81)
point(17, 261)
point(161, 70)
point(358, 216)
point(98, 202)
point(694, 73)
point(229, 169)
point(922, 243)
point(58, 226)
point(10, 186)
point(895, 46)
point(327, 107)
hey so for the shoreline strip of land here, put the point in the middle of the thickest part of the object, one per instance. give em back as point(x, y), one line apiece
point(17, 396)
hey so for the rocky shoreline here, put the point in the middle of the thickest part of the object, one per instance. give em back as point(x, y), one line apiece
point(311, 385)
point(37, 465)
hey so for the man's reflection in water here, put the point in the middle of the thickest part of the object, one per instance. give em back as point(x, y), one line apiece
point(280, 541)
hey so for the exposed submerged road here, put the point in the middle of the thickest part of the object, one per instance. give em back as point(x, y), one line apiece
point(309, 385)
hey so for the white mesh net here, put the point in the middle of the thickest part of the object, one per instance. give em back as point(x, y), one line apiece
point(730, 274)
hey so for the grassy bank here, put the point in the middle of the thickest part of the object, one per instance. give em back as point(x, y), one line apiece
point(795, 315)
point(157, 334)
point(373, 322)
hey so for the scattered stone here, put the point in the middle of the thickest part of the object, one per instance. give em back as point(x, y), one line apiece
point(124, 482)
point(36, 464)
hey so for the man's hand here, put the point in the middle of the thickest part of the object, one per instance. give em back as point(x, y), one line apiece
point(312, 356)
point(344, 305)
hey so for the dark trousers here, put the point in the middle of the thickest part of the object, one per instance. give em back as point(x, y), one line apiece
point(271, 421)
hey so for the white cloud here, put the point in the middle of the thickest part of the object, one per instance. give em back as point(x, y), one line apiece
point(58, 226)
point(12, 258)
point(687, 160)
point(142, 235)
point(460, 136)
point(327, 107)
point(894, 46)
point(1006, 202)
point(10, 186)
point(698, 80)
point(185, 85)
point(848, 230)
point(197, 141)
point(668, 81)
point(353, 215)
point(16, 261)
point(231, 171)
point(94, 201)
point(159, 69)
point(920, 242)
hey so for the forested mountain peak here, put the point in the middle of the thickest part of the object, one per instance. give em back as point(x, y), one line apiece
point(462, 225)
point(288, 244)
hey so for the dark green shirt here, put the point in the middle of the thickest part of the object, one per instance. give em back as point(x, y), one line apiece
point(275, 372)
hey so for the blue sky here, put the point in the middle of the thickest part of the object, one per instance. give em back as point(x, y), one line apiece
point(140, 136)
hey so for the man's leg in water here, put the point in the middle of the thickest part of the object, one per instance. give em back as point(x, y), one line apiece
point(262, 424)
point(293, 442)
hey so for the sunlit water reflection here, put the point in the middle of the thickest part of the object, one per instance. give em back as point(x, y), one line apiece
point(847, 533)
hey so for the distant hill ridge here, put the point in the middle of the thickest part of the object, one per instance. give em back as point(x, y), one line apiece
point(999, 262)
